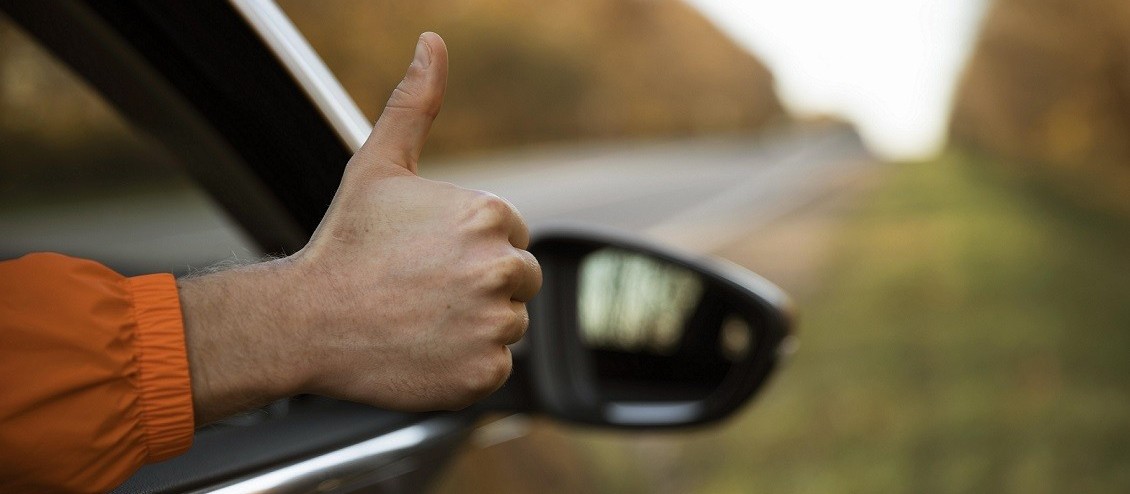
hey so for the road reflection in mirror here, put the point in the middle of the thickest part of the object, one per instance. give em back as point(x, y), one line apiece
point(634, 303)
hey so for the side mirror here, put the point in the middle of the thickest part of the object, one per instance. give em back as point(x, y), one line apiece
point(627, 334)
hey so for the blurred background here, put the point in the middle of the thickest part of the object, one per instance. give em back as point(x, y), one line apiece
point(943, 186)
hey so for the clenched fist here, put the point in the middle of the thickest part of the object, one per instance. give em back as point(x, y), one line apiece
point(405, 297)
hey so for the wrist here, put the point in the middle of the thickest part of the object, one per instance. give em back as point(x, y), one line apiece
point(293, 319)
point(242, 336)
point(283, 322)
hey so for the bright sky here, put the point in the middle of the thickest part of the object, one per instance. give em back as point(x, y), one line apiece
point(889, 66)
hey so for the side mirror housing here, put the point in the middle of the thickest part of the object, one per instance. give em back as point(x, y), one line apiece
point(631, 335)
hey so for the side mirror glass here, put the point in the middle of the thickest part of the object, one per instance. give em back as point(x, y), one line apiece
point(631, 335)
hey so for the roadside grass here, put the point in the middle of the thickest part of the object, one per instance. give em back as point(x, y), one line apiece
point(972, 335)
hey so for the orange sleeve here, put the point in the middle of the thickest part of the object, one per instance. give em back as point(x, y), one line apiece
point(94, 379)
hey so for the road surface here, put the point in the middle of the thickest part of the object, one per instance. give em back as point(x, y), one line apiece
point(697, 194)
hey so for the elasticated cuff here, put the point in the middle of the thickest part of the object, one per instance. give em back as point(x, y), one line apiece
point(163, 378)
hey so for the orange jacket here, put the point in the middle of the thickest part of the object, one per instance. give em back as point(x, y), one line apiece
point(93, 374)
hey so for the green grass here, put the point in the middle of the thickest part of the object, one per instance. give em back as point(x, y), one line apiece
point(972, 336)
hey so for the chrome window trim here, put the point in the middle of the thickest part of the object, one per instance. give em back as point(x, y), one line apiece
point(307, 68)
point(359, 465)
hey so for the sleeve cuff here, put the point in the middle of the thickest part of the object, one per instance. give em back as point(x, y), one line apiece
point(163, 377)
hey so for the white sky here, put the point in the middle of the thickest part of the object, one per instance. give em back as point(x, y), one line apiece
point(889, 66)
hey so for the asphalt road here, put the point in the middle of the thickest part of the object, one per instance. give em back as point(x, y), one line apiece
point(698, 194)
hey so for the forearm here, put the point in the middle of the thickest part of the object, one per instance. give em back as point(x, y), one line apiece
point(241, 326)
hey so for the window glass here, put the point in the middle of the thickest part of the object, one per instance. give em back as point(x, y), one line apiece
point(78, 179)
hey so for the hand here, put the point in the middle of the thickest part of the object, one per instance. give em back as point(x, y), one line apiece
point(421, 284)
point(405, 297)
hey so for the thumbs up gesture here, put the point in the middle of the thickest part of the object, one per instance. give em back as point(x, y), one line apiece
point(421, 284)
point(405, 297)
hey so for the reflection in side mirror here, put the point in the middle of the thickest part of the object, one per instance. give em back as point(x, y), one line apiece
point(631, 302)
point(631, 335)
point(636, 315)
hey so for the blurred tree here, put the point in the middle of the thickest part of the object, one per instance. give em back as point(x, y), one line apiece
point(1049, 84)
point(521, 72)
point(551, 70)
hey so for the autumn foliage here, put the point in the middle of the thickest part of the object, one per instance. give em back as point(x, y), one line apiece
point(1048, 86)
point(551, 70)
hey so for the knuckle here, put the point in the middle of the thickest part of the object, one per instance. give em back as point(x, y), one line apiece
point(503, 272)
point(495, 325)
point(512, 263)
point(534, 267)
point(511, 326)
point(405, 96)
point(414, 95)
point(494, 203)
point(521, 322)
point(488, 211)
point(523, 232)
point(509, 319)
point(496, 279)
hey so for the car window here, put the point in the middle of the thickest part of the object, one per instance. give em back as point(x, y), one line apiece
point(76, 178)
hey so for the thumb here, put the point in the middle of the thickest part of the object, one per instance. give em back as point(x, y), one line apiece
point(400, 132)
